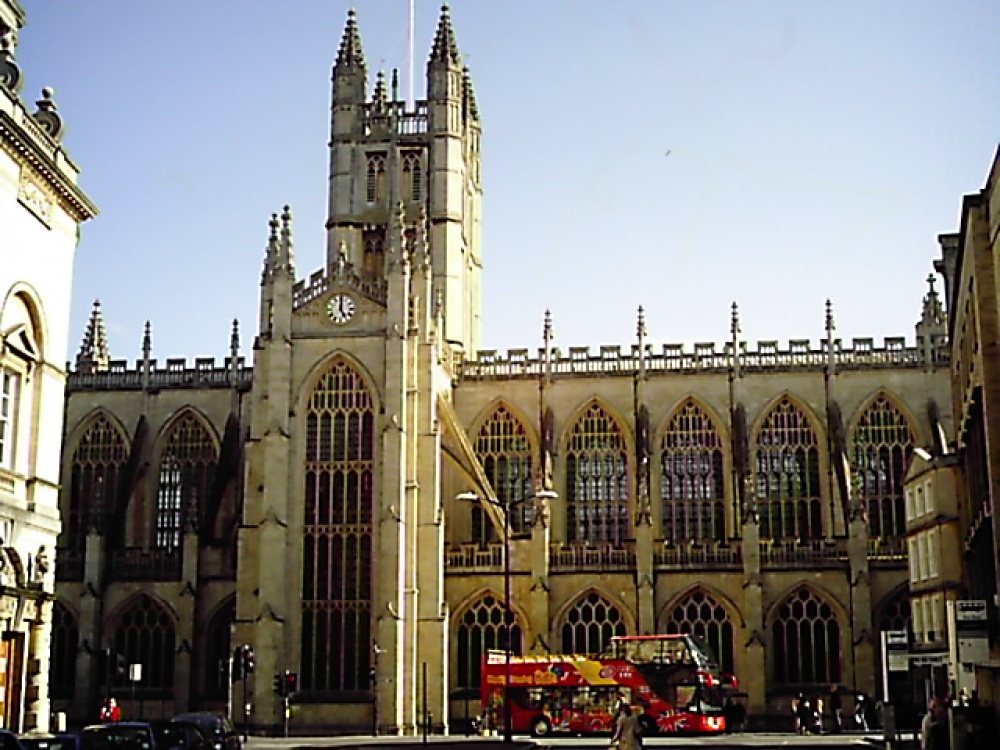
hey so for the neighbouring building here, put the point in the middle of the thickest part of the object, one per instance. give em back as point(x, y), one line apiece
point(308, 503)
point(41, 209)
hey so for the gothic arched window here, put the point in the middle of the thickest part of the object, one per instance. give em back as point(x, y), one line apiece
point(805, 640)
point(597, 479)
point(337, 547)
point(218, 648)
point(700, 614)
point(413, 177)
point(590, 624)
point(788, 488)
point(692, 487)
point(504, 451)
point(145, 634)
point(187, 467)
point(375, 178)
point(480, 629)
point(883, 444)
point(65, 642)
point(95, 472)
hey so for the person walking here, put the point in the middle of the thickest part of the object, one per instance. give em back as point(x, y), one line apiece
point(837, 709)
point(110, 711)
point(861, 711)
point(628, 733)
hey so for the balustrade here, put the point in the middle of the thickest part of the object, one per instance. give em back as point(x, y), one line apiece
point(591, 557)
point(708, 555)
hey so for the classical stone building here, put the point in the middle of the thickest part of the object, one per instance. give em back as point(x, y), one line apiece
point(41, 209)
point(308, 504)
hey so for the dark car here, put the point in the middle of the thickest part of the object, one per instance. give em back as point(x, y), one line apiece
point(9, 741)
point(44, 741)
point(180, 735)
point(216, 727)
point(120, 735)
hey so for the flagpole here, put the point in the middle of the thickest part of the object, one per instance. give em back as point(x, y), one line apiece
point(409, 54)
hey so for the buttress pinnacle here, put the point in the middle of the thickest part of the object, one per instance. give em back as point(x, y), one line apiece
point(445, 48)
point(351, 53)
point(94, 354)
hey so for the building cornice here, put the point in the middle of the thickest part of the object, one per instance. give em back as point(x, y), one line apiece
point(24, 149)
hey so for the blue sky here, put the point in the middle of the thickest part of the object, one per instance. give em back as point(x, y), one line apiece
point(676, 155)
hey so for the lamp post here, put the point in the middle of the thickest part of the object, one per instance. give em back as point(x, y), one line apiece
point(508, 615)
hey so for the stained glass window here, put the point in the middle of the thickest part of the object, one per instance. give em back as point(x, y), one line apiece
point(805, 640)
point(699, 613)
point(145, 634)
point(96, 466)
point(597, 477)
point(883, 444)
point(187, 468)
point(692, 482)
point(590, 624)
point(481, 628)
point(505, 453)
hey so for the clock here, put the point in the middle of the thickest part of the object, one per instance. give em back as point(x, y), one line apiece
point(340, 308)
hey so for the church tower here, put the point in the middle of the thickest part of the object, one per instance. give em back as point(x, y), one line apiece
point(341, 551)
point(427, 158)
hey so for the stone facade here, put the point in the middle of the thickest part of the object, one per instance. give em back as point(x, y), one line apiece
point(319, 499)
point(41, 209)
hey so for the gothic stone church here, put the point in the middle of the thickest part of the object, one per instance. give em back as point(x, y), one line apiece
point(307, 503)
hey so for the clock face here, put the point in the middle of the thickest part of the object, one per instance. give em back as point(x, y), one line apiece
point(340, 308)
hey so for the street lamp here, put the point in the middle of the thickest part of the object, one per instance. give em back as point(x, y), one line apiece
point(505, 507)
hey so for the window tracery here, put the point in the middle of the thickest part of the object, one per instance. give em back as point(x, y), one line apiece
point(65, 641)
point(805, 640)
point(413, 176)
point(692, 481)
point(95, 472)
point(597, 496)
point(701, 614)
point(481, 628)
point(375, 178)
point(505, 453)
point(145, 634)
point(788, 485)
point(187, 467)
point(338, 555)
point(883, 445)
point(589, 625)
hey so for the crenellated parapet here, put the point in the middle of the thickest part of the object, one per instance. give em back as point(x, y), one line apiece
point(305, 291)
point(769, 356)
point(202, 372)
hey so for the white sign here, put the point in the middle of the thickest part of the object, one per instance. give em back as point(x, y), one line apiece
point(897, 651)
point(135, 672)
point(970, 610)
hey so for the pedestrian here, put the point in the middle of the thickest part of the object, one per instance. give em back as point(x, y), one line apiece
point(837, 709)
point(861, 711)
point(804, 714)
point(110, 712)
point(628, 733)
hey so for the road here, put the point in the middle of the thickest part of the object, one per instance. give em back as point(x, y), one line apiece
point(780, 741)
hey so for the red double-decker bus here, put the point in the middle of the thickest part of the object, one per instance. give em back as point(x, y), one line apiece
point(672, 682)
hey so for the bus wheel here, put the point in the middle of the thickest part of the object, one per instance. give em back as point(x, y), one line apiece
point(540, 726)
point(648, 725)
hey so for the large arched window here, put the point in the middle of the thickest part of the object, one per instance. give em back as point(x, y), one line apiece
point(187, 467)
point(481, 628)
point(805, 640)
point(504, 451)
point(700, 614)
point(788, 487)
point(65, 642)
point(146, 634)
point(218, 648)
point(589, 625)
point(883, 443)
point(597, 478)
point(692, 486)
point(95, 472)
point(339, 501)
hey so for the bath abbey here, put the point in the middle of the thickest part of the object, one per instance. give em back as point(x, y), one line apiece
point(356, 499)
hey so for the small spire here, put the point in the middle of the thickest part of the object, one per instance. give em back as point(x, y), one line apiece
point(547, 328)
point(94, 353)
point(287, 246)
point(734, 323)
point(469, 94)
point(234, 341)
point(351, 53)
point(271, 251)
point(831, 326)
point(445, 49)
point(380, 98)
point(395, 84)
point(147, 342)
point(640, 333)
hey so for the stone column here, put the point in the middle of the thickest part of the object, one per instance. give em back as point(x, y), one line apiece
point(36, 703)
point(862, 639)
point(538, 600)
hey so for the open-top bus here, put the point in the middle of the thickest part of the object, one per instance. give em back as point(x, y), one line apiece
point(672, 682)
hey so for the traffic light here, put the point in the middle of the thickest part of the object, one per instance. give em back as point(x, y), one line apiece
point(249, 663)
point(279, 685)
point(291, 682)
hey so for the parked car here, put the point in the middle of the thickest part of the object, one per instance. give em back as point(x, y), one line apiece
point(45, 741)
point(180, 735)
point(119, 735)
point(216, 727)
point(9, 741)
